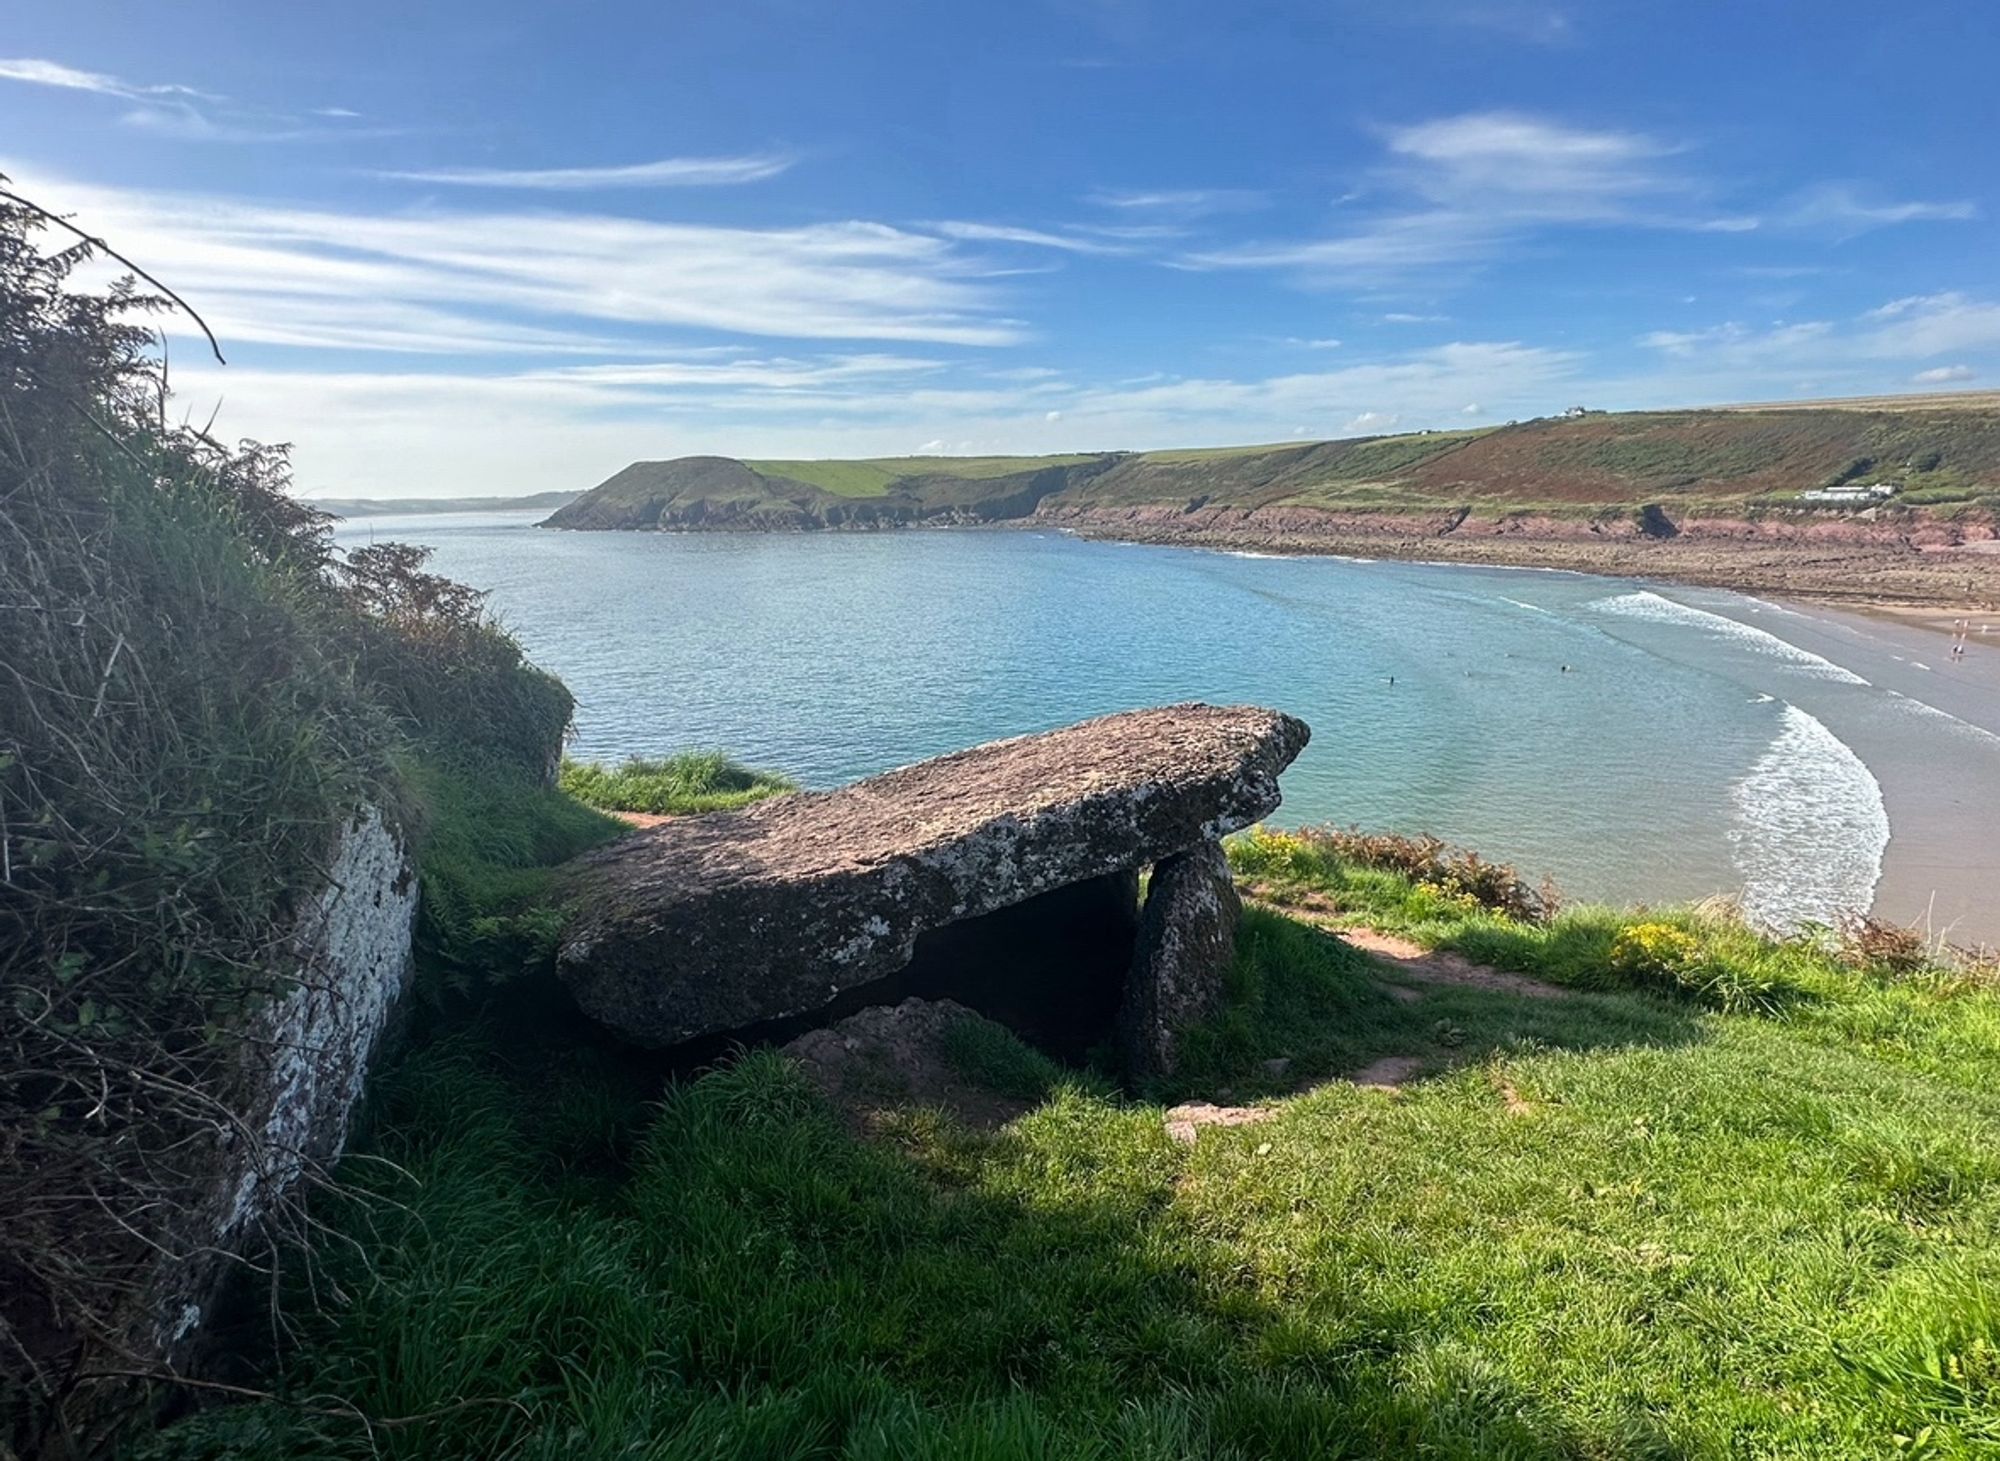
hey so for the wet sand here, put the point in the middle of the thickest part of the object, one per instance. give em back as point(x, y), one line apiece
point(1941, 871)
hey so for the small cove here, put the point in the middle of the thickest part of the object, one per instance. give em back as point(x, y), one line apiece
point(1634, 742)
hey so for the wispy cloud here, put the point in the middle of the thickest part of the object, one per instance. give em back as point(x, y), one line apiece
point(1532, 166)
point(1453, 193)
point(452, 431)
point(1914, 328)
point(1942, 375)
point(171, 109)
point(666, 172)
point(1934, 324)
point(491, 281)
point(1190, 202)
point(35, 72)
point(1032, 237)
point(1849, 209)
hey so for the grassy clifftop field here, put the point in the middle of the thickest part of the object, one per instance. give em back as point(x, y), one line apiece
point(1939, 454)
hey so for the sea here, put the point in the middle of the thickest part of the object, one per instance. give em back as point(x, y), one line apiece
point(1633, 742)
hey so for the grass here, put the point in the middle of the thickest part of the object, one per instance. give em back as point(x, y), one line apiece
point(874, 478)
point(693, 781)
point(1708, 461)
point(1609, 1223)
point(492, 839)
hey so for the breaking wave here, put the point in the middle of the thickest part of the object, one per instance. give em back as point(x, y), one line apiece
point(1810, 828)
point(1645, 604)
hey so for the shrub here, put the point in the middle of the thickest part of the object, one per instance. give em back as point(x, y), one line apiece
point(1878, 946)
point(1654, 952)
point(194, 693)
point(1453, 872)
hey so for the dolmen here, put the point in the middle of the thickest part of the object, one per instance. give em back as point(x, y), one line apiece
point(1005, 876)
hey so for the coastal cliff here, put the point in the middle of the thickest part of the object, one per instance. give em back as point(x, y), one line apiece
point(1772, 500)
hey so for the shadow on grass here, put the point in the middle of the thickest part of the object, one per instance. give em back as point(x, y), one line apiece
point(1300, 995)
point(762, 1285)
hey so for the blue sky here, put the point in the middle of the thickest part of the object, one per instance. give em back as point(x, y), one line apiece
point(458, 248)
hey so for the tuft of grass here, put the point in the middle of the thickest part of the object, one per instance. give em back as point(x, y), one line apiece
point(492, 839)
point(693, 781)
point(994, 1057)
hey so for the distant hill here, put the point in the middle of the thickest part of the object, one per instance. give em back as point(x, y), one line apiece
point(1938, 451)
point(388, 506)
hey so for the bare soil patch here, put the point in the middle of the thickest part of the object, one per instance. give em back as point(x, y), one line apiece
point(1427, 966)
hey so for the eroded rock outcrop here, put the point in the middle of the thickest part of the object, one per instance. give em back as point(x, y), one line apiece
point(1180, 961)
point(305, 1055)
point(715, 923)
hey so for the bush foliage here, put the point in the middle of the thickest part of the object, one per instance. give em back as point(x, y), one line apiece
point(195, 693)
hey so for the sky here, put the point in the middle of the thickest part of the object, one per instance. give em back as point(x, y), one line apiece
point(502, 247)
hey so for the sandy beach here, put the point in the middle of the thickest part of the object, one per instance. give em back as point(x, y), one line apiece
point(1941, 870)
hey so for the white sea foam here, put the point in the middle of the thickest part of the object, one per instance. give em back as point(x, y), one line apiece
point(1810, 827)
point(1523, 604)
point(1914, 706)
point(1645, 604)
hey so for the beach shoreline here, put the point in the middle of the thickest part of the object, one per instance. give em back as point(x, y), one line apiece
point(1941, 868)
point(1889, 575)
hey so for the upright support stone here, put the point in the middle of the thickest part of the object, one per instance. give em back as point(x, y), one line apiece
point(1180, 963)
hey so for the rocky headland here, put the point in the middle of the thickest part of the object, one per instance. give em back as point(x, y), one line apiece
point(1744, 499)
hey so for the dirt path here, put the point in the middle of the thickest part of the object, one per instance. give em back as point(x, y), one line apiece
point(1430, 966)
point(1404, 960)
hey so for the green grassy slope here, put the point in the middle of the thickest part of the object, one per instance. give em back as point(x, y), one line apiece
point(1705, 460)
point(1644, 1217)
point(876, 477)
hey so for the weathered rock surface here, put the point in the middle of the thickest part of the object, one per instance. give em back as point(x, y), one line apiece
point(1180, 961)
point(713, 923)
point(305, 1058)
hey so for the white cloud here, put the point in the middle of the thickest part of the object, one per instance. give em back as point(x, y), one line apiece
point(1843, 208)
point(1934, 324)
point(171, 109)
point(1190, 201)
point(1370, 423)
point(1384, 249)
point(459, 281)
point(409, 433)
point(1531, 163)
point(1456, 192)
point(1034, 238)
point(667, 172)
point(1738, 342)
point(35, 72)
point(1861, 355)
point(1398, 318)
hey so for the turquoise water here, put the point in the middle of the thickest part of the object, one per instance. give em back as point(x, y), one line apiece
point(1683, 751)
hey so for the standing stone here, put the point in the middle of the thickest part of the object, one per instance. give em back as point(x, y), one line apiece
point(1180, 964)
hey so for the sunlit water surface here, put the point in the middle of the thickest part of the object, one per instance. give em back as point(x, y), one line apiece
point(1633, 743)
